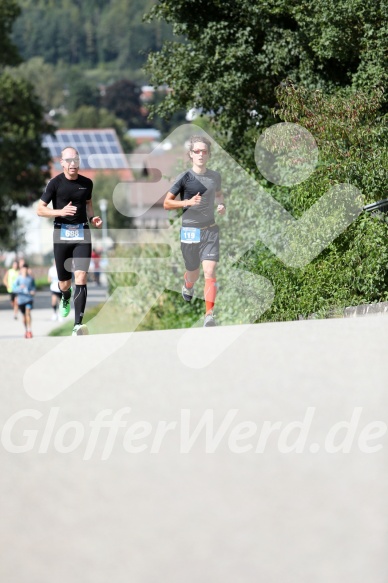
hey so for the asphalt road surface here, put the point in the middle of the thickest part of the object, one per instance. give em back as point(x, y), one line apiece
point(42, 313)
point(223, 455)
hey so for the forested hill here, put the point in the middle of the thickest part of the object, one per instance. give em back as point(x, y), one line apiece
point(89, 33)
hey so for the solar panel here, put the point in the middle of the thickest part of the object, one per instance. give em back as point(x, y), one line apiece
point(97, 148)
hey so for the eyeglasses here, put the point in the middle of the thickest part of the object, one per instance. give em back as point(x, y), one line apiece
point(200, 152)
point(70, 160)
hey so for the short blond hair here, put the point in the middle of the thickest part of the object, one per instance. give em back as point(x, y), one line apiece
point(198, 138)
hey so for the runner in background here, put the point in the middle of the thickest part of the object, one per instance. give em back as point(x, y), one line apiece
point(24, 287)
point(9, 279)
point(56, 294)
point(96, 258)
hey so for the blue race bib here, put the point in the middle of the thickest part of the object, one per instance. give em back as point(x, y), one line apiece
point(72, 232)
point(190, 235)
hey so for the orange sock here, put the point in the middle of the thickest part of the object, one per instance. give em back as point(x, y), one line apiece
point(188, 284)
point(210, 293)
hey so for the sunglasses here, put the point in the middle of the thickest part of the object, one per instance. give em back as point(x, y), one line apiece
point(200, 151)
point(70, 160)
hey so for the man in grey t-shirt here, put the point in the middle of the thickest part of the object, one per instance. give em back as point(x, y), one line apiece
point(199, 190)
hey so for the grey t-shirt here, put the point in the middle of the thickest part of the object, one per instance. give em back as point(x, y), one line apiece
point(187, 185)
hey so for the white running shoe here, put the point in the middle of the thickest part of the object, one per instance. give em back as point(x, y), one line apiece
point(209, 320)
point(187, 293)
point(80, 330)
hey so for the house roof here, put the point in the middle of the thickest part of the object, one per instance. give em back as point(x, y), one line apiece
point(99, 150)
point(145, 133)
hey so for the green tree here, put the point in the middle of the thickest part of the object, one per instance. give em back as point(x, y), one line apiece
point(82, 93)
point(9, 11)
point(22, 124)
point(352, 137)
point(123, 99)
point(89, 33)
point(36, 70)
point(233, 55)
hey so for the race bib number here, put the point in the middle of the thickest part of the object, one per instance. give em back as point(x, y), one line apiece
point(190, 235)
point(72, 232)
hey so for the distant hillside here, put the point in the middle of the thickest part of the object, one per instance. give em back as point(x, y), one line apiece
point(89, 33)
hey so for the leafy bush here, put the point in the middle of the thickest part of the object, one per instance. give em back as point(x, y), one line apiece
point(352, 139)
point(255, 285)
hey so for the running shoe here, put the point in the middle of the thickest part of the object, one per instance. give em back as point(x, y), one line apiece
point(28, 334)
point(64, 306)
point(209, 320)
point(80, 330)
point(187, 294)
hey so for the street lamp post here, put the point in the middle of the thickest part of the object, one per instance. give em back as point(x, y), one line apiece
point(103, 204)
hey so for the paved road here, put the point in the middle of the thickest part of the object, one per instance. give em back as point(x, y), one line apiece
point(42, 322)
point(123, 459)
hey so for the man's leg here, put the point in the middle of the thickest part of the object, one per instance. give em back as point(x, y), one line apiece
point(80, 296)
point(27, 322)
point(210, 253)
point(82, 254)
point(14, 304)
point(54, 305)
point(64, 304)
point(210, 291)
point(62, 254)
point(24, 319)
point(190, 278)
point(22, 308)
point(190, 253)
point(64, 286)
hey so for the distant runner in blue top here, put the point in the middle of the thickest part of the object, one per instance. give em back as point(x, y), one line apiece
point(24, 287)
point(199, 190)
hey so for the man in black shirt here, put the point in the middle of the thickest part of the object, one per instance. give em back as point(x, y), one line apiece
point(72, 211)
point(199, 190)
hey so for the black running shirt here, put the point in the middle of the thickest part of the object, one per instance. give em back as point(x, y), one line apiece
point(187, 185)
point(60, 191)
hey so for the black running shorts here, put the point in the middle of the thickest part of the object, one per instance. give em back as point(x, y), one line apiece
point(65, 251)
point(207, 249)
point(23, 307)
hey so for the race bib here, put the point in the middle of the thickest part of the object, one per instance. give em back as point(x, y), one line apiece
point(190, 235)
point(72, 232)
